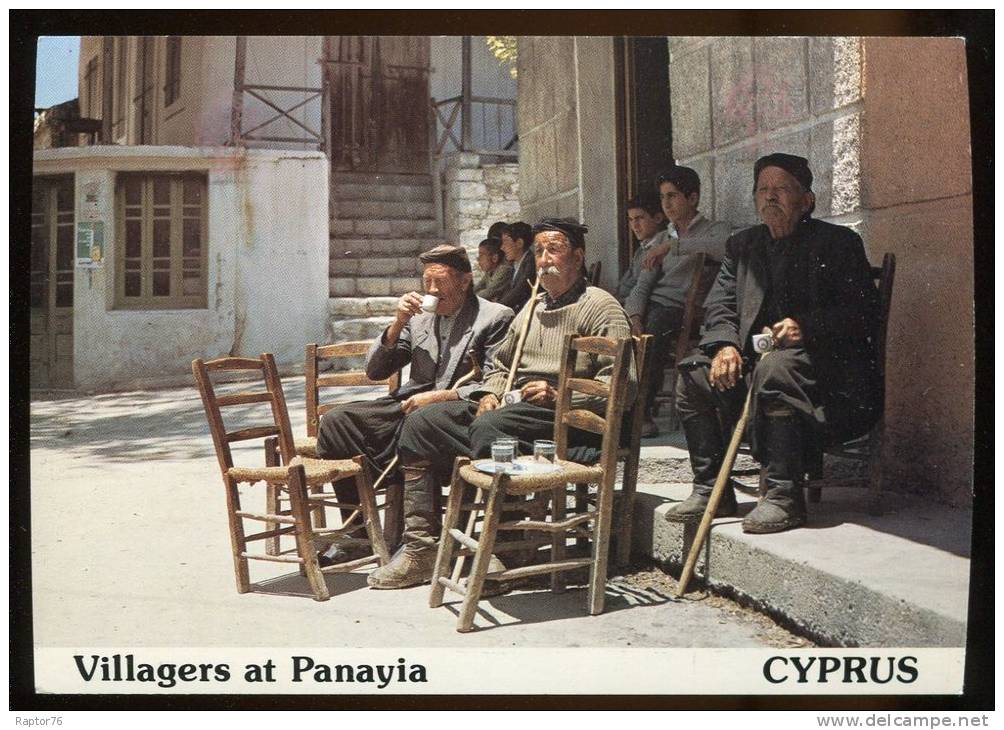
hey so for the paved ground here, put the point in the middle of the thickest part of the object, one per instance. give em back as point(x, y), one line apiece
point(130, 549)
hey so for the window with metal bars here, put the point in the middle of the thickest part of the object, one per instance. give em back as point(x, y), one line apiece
point(172, 81)
point(161, 248)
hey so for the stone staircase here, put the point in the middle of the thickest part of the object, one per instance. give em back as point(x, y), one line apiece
point(381, 223)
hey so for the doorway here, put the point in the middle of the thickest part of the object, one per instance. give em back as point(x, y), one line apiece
point(51, 288)
point(379, 103)
point(645, 129)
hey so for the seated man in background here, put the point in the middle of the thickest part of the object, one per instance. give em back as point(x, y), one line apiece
point(655, 303)
point(496, 271)
point(808, 284)
point(431, 438)
point(516, 239)
point(435, 344)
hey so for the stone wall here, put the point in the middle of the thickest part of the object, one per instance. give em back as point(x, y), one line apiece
point(735, 99)
point(884, 124)
point(567, 137)
point(475, 196)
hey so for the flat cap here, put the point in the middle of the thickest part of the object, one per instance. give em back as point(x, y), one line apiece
point(797, 167)
point(449, 255)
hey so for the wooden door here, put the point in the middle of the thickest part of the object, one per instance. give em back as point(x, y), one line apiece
point(51, 298)
point(379, 97)
point(644, 123)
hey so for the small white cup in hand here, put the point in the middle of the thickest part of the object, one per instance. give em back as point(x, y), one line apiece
point(429, 303)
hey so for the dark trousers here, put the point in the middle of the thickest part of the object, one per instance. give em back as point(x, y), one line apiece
point(664, 324)
point(364, 428)
point(782, 378)
point(435, 435)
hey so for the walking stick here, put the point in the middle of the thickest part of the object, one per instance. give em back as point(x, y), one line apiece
point(724, 473)
point(522, 336)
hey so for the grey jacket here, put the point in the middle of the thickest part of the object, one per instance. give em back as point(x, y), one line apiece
point(667, 285)
point(480, 326)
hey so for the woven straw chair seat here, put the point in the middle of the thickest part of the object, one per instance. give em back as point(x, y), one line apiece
point(306, 447)
point(318, 471)
point(571, 473)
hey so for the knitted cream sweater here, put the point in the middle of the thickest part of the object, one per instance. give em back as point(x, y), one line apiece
point(595, 313)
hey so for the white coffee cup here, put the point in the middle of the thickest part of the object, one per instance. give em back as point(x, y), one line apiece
point(429, 303)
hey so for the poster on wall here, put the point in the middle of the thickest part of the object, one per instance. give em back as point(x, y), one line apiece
point(90, 244)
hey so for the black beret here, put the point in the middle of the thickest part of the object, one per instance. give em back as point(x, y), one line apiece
point(449, 255)
point(573, 230)
point(797, 167)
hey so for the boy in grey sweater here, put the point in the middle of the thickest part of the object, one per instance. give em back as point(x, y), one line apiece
point(656, 300)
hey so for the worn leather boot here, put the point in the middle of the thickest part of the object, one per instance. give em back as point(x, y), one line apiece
point(783, 506)
point(415, 561)
point(707, 449)
point(691, 510)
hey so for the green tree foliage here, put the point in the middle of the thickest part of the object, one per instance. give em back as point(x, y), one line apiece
point(504, 49)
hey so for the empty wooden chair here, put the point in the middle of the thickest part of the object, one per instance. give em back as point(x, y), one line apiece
point(594, 521)
point(294, 478)
point(314, 382)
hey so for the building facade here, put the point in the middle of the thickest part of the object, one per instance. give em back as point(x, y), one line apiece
point(166, 208)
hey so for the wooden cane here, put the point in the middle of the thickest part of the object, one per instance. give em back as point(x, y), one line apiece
point(724, 474)
point(522, 336)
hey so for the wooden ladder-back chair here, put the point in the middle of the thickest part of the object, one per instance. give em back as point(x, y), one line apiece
point(631, 453)
point(689, 334)
point(297, 476)
point(314, 381)
point(867, 448)
point(560, 527)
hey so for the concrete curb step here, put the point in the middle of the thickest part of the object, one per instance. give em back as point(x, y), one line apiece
point(832, 578)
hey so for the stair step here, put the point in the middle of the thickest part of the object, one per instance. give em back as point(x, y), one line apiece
point(385, 247)
point(339, 286)
point(384, 228)
point(383, 210)
point(354, 307)
point(375, 266)
point(392, 193)
point(380, 178)
point(360, 328)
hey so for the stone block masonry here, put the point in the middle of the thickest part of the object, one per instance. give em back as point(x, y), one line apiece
point(476, 195)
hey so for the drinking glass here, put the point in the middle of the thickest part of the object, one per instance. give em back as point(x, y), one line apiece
point(544, 450)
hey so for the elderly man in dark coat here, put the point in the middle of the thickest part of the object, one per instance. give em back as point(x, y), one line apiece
point(435, 344)
point(808, 284)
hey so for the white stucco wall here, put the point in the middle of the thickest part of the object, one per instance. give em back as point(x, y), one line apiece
point(267, 263)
